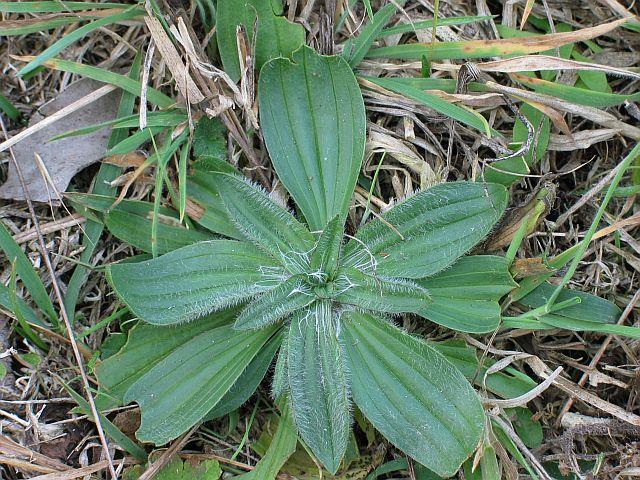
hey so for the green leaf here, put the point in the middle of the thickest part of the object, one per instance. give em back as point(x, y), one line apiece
point(355, 49)
point(318, 383)
point(326, 255)
point(180, 390)
point(277, 304)
point(276, 36)
point(176, 469)
point(249, 381)
point(382, 294)
point(12, 302)
point(76, 35)
point(147, 346)
point(211, 212)
point(27, 274)
point(429, 231)
point(131, 222)
point(314, 124)
point(403, 385)
point(10, 111)
point(424, 24)
point(465, 296)
point(54, 6)
point(101, 75)
point(463, 115)
point(590, 308)
point(209, 139)
point(260, 219)
point(193, 281)
point(281, 447)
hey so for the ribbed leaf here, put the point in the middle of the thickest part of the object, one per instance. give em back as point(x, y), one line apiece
point(261, 220)
point(178, 391)
point(412, 394)
point(313, 120)
point(249, 381)
point(192, 281)
point(318, 383)
point(325, 257)
point(276, 36)
point(383, 294)
point(146, 346)
point(429, 231)
point(465, 296)
point(275, 304)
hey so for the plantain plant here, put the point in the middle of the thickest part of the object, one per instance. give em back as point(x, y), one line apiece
point(323, 299)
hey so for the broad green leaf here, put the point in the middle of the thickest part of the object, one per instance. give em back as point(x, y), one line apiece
point(207, 207)
point(463, 115)
point(176, 469)
point(131, 222)
point(355, 49)
point(277, 304)
point(282, 445)
point(465, 296)
point(491, 48)
point(429, 231)
point(318, 383)
point(193, 281)
point(261, 220)
point(313, 120)
point(26, 273)
point(147, 345)
point(181, 389)
point(326, 255)
point(76, 35)
point(382, 294)
point(403, 385)
point(249, 381)
point(276, 36)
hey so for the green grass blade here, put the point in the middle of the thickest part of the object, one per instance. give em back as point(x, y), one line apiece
point(101, 75)
point(422, 25)
point(76, 35)
point(355, 49)
point(463, 115)
point(27, 274)
point(491, 48)
point(55, 6)
point(10, 111)
point(105, 175)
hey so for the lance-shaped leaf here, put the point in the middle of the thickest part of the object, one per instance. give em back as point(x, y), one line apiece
point(465, 296)
point(403, 385)
point(192, 281)
point(146, 346)
point(261, 220)
point(275, 304)
point(182, 388)
point(429, 231)
point(383, 294)
point(313, 120)
point(318, 383)
point(326, 255)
